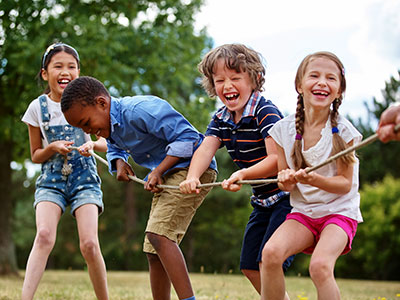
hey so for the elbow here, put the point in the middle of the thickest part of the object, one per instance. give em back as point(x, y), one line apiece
point(35, 161)
point(346, 188)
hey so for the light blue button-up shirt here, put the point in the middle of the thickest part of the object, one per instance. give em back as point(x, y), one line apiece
point(148, 129)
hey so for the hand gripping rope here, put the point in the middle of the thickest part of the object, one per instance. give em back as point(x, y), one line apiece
point(363, 143)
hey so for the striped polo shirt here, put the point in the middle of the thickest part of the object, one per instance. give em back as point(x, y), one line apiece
point(245, 140)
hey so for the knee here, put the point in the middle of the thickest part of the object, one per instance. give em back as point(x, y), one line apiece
point(155, 240)
point(272, 257)
point(153, 259)
point(45, 239)
point(89, 249)
point(320, 270)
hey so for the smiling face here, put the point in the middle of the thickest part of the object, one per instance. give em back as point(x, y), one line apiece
point(234, 89)
point(320, 84)
point(93, 119)
point(61, 69)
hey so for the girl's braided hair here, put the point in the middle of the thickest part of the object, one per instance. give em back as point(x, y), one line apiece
point(338, 144)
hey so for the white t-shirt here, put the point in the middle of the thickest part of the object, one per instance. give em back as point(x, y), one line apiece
point(310, 200)
point(33, 117)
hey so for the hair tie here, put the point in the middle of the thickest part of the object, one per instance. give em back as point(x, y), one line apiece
point(335, 130)
point(298, 137)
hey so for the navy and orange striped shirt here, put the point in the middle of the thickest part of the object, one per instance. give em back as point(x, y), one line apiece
point(245, 140)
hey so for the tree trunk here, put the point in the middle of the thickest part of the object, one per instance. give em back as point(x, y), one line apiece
point(8, 262)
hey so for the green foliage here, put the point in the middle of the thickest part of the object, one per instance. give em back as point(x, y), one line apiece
point(135, 47)
point(216, 232)
point(151, 47)
point(212, 243)
point(378, 159)
point(377, 242)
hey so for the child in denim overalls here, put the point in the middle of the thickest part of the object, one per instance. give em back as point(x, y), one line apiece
point(68, 177)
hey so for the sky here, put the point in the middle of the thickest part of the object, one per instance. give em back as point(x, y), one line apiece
point(364, 34)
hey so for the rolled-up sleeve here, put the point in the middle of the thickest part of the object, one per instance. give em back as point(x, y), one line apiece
point(180, 149)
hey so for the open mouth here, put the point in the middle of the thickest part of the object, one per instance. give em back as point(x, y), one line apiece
point(320, 93)
point(63, 82)
point(231, 97)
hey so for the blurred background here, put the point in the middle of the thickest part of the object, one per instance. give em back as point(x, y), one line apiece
point(153, 47)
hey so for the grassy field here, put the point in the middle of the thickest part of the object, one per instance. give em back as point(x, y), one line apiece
point(135, 285)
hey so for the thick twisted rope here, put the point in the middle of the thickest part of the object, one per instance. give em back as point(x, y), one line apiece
point(175, 187)
point(363, 143)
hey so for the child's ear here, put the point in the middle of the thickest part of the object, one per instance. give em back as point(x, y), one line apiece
point(102, 102)
point(255, 84)
point(299, 89)
point(43, 72)
point(339, 94)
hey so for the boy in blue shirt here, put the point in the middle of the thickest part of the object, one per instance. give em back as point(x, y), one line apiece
point(159, 138)
point(235, 74)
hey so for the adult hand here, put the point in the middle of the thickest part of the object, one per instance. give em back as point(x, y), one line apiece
point(389, 118)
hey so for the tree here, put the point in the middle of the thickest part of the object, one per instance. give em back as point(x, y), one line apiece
point(135, 47)
point(377, 240)
point(378, 159)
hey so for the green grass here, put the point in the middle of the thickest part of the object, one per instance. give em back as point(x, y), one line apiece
point(135, 285)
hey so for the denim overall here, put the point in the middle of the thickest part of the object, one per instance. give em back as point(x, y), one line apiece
point(70, 179)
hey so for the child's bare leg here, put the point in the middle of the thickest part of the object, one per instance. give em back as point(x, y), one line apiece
point(254, 277)
point(159, 280)
point(331, 244)
point(290, 238)
point(47, 216)
point(174, 264)
point(87, 221)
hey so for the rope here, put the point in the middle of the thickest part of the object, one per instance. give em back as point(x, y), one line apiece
point(363, 143)
point(175, 187)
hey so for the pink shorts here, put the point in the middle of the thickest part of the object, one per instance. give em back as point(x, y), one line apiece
point(317, 225)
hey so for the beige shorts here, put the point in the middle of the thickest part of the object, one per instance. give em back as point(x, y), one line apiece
point(171, 211)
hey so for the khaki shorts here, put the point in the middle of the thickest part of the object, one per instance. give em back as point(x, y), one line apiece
point(171, 211)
